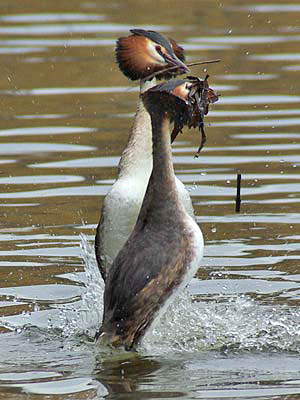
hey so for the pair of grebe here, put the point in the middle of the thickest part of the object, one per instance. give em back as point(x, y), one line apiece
point(148, 245)
point(138, 56)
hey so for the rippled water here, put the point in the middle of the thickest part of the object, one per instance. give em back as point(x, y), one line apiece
point(65, 114)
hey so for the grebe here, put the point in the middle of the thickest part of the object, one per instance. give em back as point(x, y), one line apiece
point(138, 56)
point(166, 246)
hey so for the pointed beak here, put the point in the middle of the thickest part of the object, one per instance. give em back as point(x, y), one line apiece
point(174, 61)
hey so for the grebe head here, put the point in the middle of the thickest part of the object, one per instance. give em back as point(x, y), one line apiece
point(171, 98)
point(185, 101)
point(146, 52)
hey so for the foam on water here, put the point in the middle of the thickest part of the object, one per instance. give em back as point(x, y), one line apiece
point(238, 323)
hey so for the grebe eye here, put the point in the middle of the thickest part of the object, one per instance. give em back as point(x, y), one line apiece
point(158, 49)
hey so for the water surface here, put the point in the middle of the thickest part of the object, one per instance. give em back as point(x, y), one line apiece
point(65, 113)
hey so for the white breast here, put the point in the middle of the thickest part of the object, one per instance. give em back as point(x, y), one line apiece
point(122, 206)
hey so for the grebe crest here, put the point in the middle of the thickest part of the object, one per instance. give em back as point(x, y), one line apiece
point(146, 52)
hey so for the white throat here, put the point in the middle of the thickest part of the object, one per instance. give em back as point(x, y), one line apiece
point(136, 159)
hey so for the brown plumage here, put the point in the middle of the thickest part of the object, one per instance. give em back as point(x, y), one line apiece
point(134, 299)
point(138, 55)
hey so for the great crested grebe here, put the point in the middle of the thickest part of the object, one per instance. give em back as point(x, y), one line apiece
point(138, 55)
point(166, 246)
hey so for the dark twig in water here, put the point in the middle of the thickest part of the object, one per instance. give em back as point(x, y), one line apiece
point(176, 67)
point(238, 193)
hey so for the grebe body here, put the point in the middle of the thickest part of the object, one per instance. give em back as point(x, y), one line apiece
point(165, 248)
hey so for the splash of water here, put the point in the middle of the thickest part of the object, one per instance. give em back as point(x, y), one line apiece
point(240, 323)
point(85, 318)
point(236, 323)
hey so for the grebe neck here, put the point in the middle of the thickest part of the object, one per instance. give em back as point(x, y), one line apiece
point(161, 198)
point(137, 155)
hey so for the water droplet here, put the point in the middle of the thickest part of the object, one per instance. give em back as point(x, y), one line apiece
point(191, 188)
point(214, 229)
point(228, 181)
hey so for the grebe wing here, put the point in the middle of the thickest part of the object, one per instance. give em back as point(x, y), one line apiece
point(145, 278)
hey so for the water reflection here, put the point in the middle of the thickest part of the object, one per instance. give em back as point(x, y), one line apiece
point(277, 57)
point(58, 91)
point(272, 8)
point(29, 148)
point(127, 374)
point(44, 130)
point(266, 99)
point(78, 28)
point(47, 17)
point(21, 50)
point(39, 179)
point(56, 42)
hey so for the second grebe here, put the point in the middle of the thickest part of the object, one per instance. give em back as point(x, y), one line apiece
point(166, 246)
point(138, 56)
